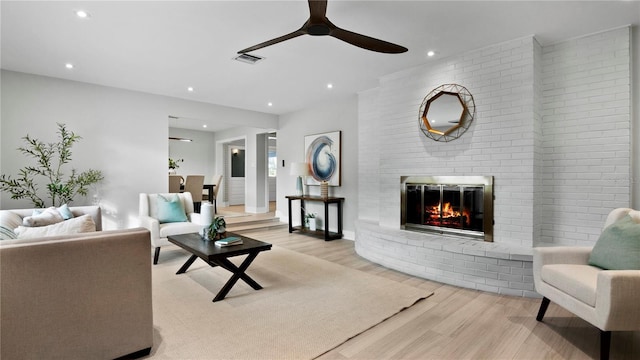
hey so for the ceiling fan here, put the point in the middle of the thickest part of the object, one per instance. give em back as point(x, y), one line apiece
point(318, 25)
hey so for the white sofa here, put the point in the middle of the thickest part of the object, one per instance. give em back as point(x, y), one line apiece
point(608, 299)
point(81, 296)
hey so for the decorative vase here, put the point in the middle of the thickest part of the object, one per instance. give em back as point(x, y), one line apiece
point(172, 171)
point(312, 224)
point(324, 189)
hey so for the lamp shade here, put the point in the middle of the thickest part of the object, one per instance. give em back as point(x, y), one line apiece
point(299, 169)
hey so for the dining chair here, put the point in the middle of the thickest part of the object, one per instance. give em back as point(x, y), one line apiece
point(193, 184)
point(217, 180)
point(174, 183)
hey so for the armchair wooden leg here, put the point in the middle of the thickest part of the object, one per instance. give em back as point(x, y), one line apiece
point(543, 308)
point(605, 344)
point(156, 255)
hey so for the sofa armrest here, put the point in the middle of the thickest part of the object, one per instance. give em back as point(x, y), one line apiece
point(617, 299)
point(151, 224)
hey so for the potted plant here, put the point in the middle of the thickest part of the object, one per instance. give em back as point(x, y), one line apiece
point(50, 160)
point(310, 221)
point(218, 229)
point(173, 165)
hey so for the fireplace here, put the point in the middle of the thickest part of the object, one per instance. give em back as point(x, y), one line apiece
point(461, 205)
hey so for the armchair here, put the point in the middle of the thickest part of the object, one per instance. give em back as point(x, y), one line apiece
point(607, 299)
point(148, 217)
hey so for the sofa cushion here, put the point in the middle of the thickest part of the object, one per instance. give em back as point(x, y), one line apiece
point(47, 217)
point(9, 221)
point(579, 281)
point(81, 224)
point(618, 247)
point(179, 228)
point(170, 209)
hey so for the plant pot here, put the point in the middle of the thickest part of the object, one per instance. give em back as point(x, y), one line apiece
point(312, 224)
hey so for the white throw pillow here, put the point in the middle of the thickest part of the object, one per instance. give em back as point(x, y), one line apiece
point(47, 217)
point(8, 221)
point(80, 224)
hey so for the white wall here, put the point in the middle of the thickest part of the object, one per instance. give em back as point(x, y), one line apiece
point(198, 155)
point(587, 134)
point(124, 134)
point(499, 143)
point(339, 115)
point(548, 119)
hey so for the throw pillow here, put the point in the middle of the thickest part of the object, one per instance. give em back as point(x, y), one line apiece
point(80, 224)
point(47, 217)
point(618, 247)
point(7, 234)
point(8, 221)
point(65, 212)
point(170, 209)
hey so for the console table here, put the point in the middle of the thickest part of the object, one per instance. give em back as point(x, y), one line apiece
point(328, 235)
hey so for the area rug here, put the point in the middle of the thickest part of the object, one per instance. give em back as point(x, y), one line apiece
point(307, 307)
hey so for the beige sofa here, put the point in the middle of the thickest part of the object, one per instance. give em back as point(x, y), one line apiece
point(81, 296)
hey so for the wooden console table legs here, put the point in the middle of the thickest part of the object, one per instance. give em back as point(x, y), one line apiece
point(326, 234)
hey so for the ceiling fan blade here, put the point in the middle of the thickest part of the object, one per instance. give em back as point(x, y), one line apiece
point(367, 42)
point(318, 10)
point(273, 41)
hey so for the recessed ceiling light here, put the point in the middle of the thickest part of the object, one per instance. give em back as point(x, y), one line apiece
point(270, 104)
point(82, 14)
point(431, 53)
point(68, 65)
point(329, 86)
point(204, 126)
point(190, 89)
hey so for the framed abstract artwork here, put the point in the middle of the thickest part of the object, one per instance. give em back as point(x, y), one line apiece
point(323, 154)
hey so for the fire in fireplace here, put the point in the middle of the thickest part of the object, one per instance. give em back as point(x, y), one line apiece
point(461, 205)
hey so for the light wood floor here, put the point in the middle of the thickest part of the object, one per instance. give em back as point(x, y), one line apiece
point(458, 323)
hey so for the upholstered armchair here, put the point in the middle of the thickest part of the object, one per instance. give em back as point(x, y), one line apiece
point(160, 225)
point(600, 284)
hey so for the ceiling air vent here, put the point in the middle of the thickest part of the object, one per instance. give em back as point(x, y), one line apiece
point(248, 58)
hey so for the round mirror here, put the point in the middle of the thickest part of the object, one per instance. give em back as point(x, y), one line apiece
point(446, 112)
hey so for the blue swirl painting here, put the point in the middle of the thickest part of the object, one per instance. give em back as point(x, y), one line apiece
point(323, 157)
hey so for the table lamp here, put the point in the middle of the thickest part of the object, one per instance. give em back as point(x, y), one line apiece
point(299, 169)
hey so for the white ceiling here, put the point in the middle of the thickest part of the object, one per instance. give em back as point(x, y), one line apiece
point(163, 47)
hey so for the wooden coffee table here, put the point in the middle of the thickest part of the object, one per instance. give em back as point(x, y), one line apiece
point(219, 256)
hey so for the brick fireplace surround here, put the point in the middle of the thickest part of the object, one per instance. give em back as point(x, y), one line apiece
point(553, 127)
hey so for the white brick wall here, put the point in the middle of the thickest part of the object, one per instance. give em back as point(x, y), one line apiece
point(500, 142)
point(553, 128)
point(586, 130)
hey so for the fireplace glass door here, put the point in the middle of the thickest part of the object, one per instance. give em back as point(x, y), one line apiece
point(456, 208)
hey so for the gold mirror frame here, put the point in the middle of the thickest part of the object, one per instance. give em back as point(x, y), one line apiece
point(467, 112)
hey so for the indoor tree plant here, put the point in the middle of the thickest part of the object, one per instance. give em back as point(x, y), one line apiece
point(50, 159)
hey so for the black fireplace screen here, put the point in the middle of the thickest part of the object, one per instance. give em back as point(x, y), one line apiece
point(448, 208)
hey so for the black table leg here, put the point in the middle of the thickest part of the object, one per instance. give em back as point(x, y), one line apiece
point(290, 225)
point(186, 265)
point(238, 273)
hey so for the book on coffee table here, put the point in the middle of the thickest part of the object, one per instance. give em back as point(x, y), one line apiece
point(230, 241)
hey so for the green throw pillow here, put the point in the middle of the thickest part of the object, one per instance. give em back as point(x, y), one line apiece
point(618, 247)
point(170, 209)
